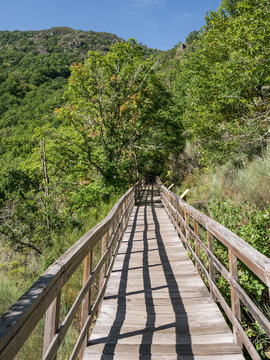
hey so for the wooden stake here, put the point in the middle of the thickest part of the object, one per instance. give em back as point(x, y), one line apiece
point(235, 301)
point(88, 264)
point(103, 269)
point(197, 248)
point(211, 267)
point(51, 323)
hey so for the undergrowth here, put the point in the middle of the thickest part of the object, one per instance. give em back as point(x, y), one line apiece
point(19, 271)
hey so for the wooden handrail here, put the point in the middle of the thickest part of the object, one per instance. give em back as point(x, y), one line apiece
point(44, 295)
point(180, 214)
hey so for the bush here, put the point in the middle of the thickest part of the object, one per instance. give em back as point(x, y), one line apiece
point(253, 182)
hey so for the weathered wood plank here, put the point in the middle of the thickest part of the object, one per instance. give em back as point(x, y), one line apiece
point(88, 264)
point(51, 323)
point(159, 349)
point(235, 300)
point(156, 304)
point(165, 357)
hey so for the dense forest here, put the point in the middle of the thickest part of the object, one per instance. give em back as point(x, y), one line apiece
point(85, 114)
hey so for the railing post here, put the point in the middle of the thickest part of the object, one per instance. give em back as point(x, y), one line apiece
point(197, 248)
point(103, 269)
point(126, 210)
point(187, 224)
point(171, 210)
point(267, 270)
point(51, 323)
point(110, 233)
point(180, 221)
point(88, 264)
point(115, 232)
point(175, 210)
point(235, 301)
point(136, 194)
point(211, 267)
point(121, 219)
point(118, 226)
point(134, 197)
point(181, 215)
point(177, 216)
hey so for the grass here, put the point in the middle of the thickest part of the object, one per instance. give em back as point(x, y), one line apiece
point(64, 241)
point(252, 183)
point(9, 292)
point(249, 183)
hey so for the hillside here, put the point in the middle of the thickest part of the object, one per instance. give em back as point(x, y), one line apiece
point(34, 71)
point(34, 68)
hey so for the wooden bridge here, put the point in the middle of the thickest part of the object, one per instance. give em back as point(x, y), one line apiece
point(156, 305)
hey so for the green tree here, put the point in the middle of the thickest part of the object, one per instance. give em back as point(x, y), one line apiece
point(223, 82)
point(114, 104)
point(192, 36)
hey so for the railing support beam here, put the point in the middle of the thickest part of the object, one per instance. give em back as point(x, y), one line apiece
point(51, 323)
point(235, 301)
point(211, 267)
point(88, 267)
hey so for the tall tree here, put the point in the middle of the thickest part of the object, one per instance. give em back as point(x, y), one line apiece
point(223, 81)
point(113, 112)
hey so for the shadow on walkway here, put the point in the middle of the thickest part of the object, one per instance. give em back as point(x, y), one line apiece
point(150, 202)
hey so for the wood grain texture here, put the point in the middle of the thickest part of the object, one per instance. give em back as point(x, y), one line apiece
point(156, 306)
point(51, 323)
point(235, 300)
point(88, 264)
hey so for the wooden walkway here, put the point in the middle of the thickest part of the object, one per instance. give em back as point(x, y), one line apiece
point(156, 306)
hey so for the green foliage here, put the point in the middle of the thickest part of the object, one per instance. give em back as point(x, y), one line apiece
point(222, 82)
point(9, 293)
point(63, 241)
point(28, 218)
point(248, 183)
point(192, 36)
point(116, 112)
point(34, 68)
point(252, 182)
point(252, 225)
point(18, 271)
point(246, 220)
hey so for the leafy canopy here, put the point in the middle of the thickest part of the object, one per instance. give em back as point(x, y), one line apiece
point(114, 104)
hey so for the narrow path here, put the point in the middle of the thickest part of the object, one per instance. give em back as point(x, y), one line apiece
point(156, 306)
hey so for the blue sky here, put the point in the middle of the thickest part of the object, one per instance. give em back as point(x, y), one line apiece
point(155, 23)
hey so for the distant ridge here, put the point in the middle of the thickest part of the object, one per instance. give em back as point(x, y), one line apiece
point(58, 39)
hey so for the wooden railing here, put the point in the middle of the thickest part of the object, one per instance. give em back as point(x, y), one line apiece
point(190, 225)
point(45, 294)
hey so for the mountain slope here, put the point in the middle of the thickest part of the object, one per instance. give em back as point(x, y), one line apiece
point(34, 68)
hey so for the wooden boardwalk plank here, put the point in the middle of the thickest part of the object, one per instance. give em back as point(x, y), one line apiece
point(156, 306)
